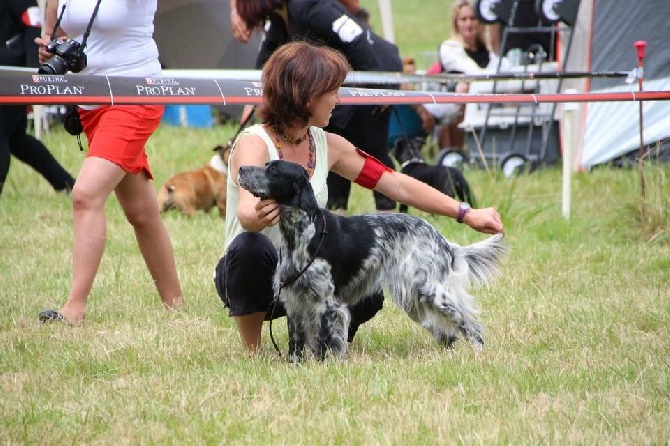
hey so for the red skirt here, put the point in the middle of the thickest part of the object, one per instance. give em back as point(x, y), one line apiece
point(118, 133)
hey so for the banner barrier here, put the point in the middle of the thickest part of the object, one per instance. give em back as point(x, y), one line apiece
point(39, 89)
point(382, 77)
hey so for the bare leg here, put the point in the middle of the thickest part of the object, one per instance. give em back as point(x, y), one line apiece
point(138, 200)
point(250, 327)
point(96, 180)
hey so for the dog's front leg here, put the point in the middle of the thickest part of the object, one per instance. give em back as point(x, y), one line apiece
point(332, 335)
point(296, 340)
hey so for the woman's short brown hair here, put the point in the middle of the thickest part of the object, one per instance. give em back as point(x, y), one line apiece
point(295, 74)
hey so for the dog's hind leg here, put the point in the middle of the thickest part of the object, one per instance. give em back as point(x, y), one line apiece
point(444, 338)
point(470, 328)
point(442, 329)
point(446, 314)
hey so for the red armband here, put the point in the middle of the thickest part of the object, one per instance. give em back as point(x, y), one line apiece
point(371, 172)
point(32, 17)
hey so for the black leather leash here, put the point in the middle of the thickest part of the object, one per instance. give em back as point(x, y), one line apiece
point(242, 126)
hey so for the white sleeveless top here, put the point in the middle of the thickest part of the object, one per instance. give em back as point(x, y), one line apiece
point(121, 41)
point(318, 182)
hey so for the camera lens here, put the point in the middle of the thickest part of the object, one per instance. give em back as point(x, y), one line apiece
point(54, 65)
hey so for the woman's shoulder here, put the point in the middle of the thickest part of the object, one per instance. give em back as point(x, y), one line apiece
point(255, 129)
point(332, 138)
point(252, 135)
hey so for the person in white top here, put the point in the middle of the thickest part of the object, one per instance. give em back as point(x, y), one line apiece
point(120, 44)
point(300, 89)
point(467, 51)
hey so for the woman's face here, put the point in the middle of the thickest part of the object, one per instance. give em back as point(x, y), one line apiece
point(321, 108)
point(467, 23)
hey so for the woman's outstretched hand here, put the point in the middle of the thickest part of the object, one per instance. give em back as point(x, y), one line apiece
point(485, 220)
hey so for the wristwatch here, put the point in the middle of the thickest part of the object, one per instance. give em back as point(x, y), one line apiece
point(463, 208)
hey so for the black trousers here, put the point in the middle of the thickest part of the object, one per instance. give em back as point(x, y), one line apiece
point(243, 280)
point(368, 130)
point(15, 141)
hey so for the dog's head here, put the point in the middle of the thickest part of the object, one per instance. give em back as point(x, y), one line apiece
point(283, 181)
point(224, 151)
point(407, 149)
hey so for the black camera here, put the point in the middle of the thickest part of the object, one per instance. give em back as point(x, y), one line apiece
point(67, 56)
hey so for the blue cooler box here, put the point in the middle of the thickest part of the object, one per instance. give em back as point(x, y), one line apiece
point(188, 115)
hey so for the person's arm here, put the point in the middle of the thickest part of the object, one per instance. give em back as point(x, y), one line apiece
point(50, 17)
point(346, 161)
point(240, 30)
point(427, 119)
point(29, 16)
point(254, 214)
point(454, 59)
point(331, 22)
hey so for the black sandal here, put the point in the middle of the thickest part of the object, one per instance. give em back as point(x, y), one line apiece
point(48, 316)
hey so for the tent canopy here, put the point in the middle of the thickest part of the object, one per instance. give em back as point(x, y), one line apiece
point(604, 39)
point(197, 34)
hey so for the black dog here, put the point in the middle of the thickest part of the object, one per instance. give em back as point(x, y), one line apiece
point(327, 262)
point(448, 180)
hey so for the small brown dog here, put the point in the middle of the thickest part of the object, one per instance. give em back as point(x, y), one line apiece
point(203, 188)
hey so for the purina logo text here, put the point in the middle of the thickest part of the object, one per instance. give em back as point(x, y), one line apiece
point(161, 81)
point(48, 79)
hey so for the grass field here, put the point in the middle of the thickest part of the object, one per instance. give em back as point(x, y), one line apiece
point(577, 327)
point(577, 335)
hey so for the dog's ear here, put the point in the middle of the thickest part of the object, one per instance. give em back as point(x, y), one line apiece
point(303, 179)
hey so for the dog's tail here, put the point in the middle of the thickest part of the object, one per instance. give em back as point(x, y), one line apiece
point(482, 259)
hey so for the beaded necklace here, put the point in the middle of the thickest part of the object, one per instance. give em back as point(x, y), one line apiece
point(311, 163)
point(292, 140)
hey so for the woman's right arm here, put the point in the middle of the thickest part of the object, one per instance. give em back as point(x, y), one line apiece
point(240, 30)
point(454, 58)
point(50, 17)
point(254, 214)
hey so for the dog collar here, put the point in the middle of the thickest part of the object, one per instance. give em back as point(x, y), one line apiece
point(412, 161)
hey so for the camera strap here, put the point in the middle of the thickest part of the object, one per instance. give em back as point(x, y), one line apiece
point(88, 28)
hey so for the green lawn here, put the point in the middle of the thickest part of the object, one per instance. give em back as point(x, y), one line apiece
point(577, 338)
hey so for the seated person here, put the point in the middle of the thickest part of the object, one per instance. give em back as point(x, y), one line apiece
point(466, 52)
point(412, 120)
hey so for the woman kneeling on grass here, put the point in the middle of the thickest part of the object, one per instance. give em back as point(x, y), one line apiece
point(300, 90)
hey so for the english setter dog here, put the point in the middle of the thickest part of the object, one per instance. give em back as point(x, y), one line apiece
point(327, 262)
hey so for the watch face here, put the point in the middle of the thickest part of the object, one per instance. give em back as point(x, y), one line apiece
point(463, 209)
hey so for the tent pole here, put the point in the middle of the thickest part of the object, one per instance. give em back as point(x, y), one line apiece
point(387, 20)
point(640, 46)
